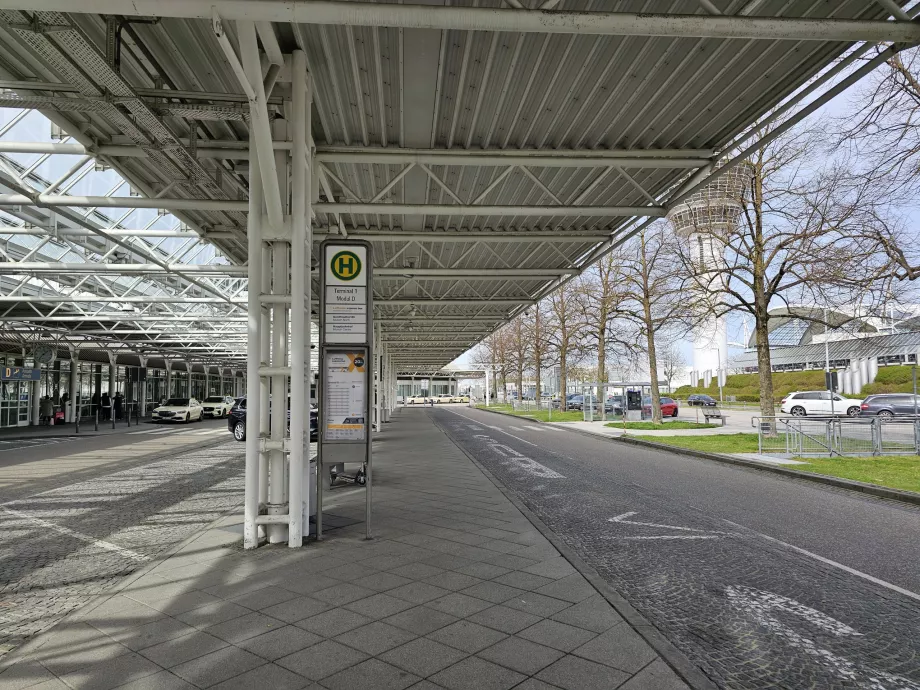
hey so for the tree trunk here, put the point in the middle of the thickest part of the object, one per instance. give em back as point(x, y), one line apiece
point(563, 369)
point(602, 352)
point(764, 368)
point(650, 336)
point(520, 383)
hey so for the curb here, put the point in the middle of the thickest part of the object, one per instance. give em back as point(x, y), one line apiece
point(861, 487)
point(72, 434)
point(21, 654)
point(671, 655)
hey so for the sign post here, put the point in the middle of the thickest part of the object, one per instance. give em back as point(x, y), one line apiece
point(346, 360)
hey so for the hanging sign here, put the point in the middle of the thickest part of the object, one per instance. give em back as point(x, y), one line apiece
point(20, 374)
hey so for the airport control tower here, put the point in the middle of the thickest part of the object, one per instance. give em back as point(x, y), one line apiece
point(705, 220)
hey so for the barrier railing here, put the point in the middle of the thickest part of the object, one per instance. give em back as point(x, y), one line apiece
point(828, 436)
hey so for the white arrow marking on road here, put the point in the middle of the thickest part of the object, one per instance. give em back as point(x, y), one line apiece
point(761, 605)
point(622, 519)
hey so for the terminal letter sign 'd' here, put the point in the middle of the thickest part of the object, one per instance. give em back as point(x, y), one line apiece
point(346, 295)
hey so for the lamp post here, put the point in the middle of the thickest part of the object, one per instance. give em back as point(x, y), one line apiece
point(718, 352)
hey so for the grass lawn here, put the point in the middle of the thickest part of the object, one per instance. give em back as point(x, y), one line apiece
point(666, 426)
point(723, 443)
point(893, 471)
point(539, 415)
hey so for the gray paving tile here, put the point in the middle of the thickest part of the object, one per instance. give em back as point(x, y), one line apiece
point(322, 660)
point(425, 685)
point(492, 591)
point(573, 588)
point(417, 571)
point(452, 580)
point(296, 609)
point(656, 676)
point(217, 667)
point(593, 614)
point(477, 673)
point(470, 637)
point(53, 684)
point(239, 629)
point(24, 674)
point(382, 582)
point(379, 606)
point(421, 620)
point(459, 605)
point(557, 635)
point(110, 674)
point(215, 612)
point(484, 571)
point(554, 568)
point(510, 560)
point(537, 604)
point(164, 680)
point(152, 633)
point(522, 580)
point(343, 593)
point(281, 642)
point(298, 582)
point(181, 649)
point(621, 647)
point(350, 571)
point(372, 674)
point(534, 684)
point(423, 656)
point(333, 622)
point(574, 673)
point(418, 592)
point(267, 677)
point(375, 638)
point(505, 619)
point(448, 561)
point(520, 655)
point(263, 598)
point(174, 606)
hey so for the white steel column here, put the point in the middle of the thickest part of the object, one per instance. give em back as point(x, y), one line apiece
point(253, 355)
point(263, 389)
point(35, 391)
point(300, 303)
point(379, 378)
point(74, 380)
point(279, 403)
point(113, 371)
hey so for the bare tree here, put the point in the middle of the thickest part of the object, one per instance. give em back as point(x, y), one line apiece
point(492, 354)
point(803, 239)
point(603, 293)
point(537, 331)
point(566, 328)
point(672, 362)
point(518, 351)
point(654, 279)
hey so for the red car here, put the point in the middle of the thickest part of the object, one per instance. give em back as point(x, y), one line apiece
point(669, 407)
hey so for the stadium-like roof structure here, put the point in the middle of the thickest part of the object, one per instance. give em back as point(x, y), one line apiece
point(488, 149)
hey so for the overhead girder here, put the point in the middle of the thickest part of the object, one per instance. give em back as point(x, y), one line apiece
point(490, 19)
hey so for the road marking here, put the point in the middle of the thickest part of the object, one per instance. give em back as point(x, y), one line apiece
point(521, 463)
point(760, 605)
point(108, 546)
point(473, 427)
point(676, 536)
point(622, 519)
point(828, 561)
point(489, 426)
point(532, 427)
point(516, 428)
point(522, 440)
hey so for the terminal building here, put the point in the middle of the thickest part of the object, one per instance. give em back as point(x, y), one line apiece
point(855, 346)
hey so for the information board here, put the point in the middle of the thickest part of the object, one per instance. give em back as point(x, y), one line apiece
point(345, 416)
point(20, 374)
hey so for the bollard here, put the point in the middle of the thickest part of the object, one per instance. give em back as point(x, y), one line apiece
point(77, 418)
point(97, 419)
point(112, 414)
point(128, 416)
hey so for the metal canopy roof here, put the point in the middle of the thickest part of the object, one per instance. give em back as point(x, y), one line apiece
point(487, 149)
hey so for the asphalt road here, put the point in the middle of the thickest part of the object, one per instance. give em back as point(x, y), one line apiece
point(761, 581)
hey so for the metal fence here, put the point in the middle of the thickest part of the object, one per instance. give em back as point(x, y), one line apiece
point(828, 436)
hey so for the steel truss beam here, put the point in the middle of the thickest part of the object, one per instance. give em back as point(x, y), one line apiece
point(489, 19)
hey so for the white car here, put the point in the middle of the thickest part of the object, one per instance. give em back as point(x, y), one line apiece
point(819, 404)
point(217, 405)
point(179, 410)
point(417, 400)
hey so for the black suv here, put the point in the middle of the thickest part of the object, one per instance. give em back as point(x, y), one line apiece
point(890, 405)
point(236, 420)
point(701, 400)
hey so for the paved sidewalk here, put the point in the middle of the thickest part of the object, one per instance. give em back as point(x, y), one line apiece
point(457, 591)
point(87, 428)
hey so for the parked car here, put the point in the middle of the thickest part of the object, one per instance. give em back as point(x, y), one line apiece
point(615, 403)
point(179, 410)
point(236, 420)
point(669, 406)
point(699, 400)
point(890, 405)
point(417, 400)
point(217, 405)
point(801, 403)
point(465, 398)
point(579, 402)
point(444, 398)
